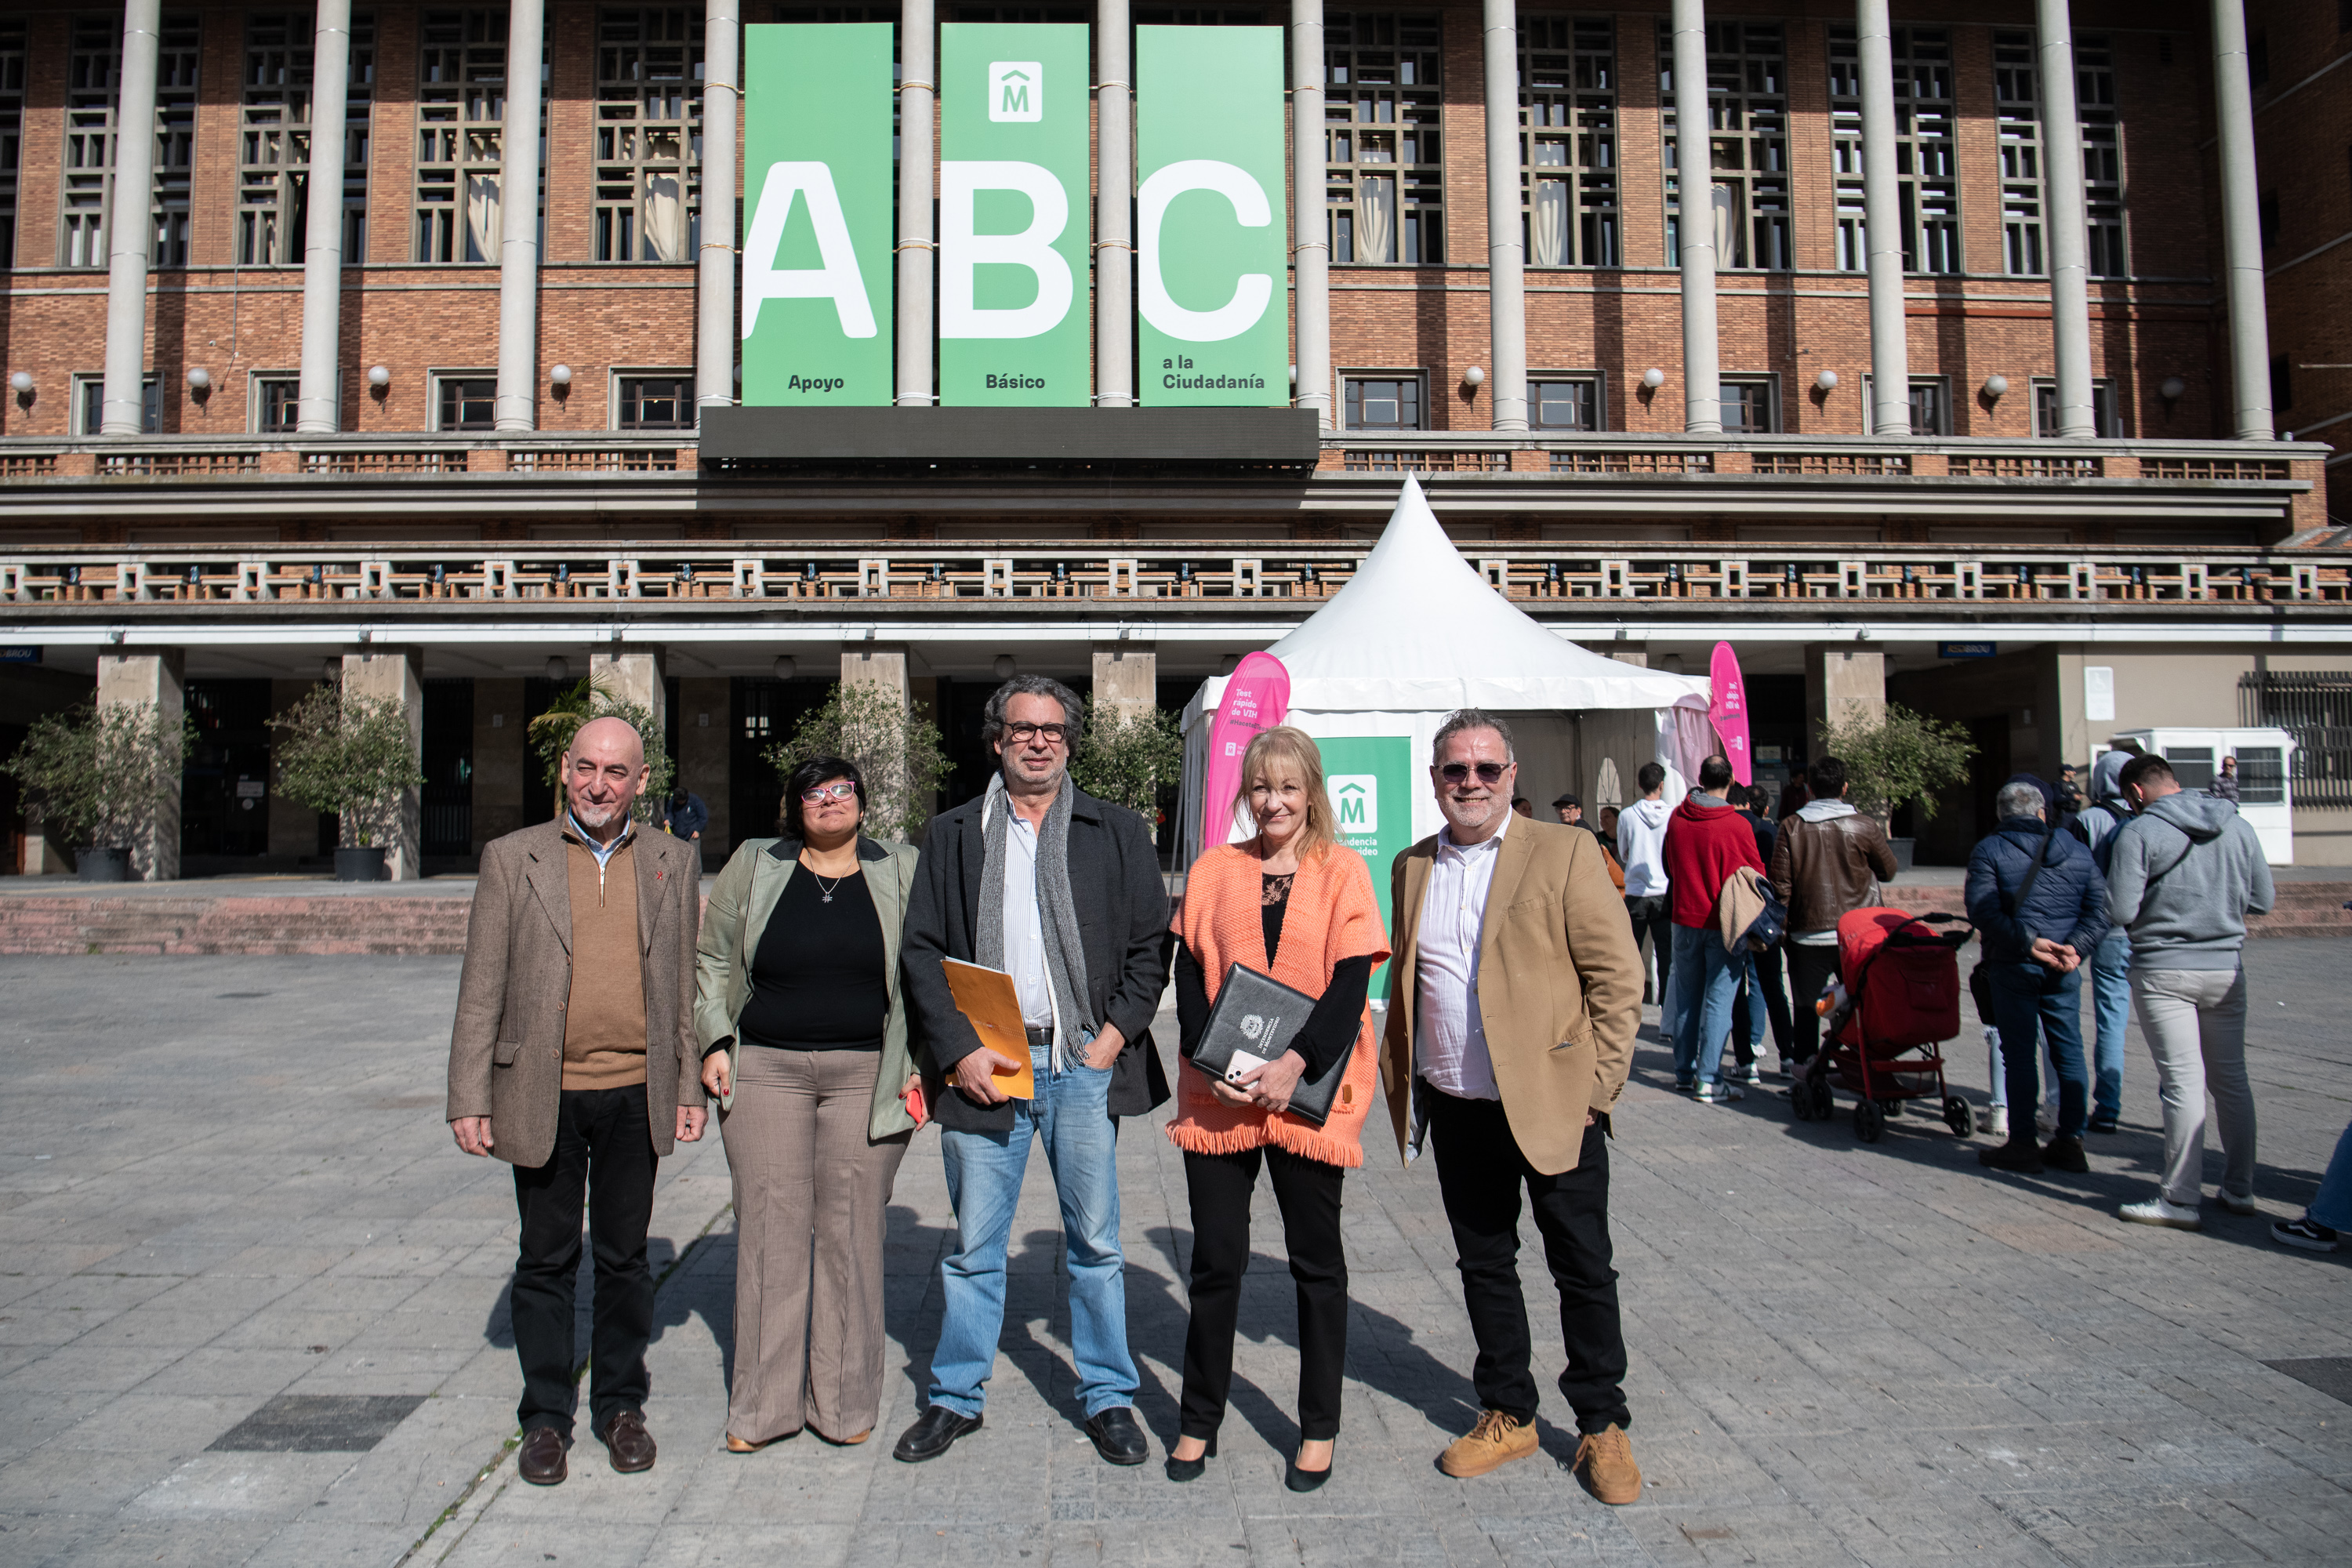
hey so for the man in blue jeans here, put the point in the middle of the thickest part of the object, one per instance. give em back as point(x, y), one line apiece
point(2041, 906)
point(1706, 841)
point(1062, 891)
point(2111, 965)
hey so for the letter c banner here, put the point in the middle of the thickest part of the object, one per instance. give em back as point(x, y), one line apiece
point(1252, 291)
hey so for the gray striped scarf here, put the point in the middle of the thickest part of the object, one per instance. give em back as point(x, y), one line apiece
point(1065, 954)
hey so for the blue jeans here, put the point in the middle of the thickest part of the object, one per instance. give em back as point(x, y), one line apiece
point(2332, 1206)
point(1071, 1118)
point(2111, 1005)
point(2022, 992)
point(1706, 979)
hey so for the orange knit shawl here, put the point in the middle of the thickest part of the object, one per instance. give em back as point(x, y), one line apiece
point(1332, 916)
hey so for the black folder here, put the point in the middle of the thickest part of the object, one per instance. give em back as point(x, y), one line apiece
point(1254, 1021)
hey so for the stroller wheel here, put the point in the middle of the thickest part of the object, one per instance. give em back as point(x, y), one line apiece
point(1824, 1103)
point(1869, 1122)
point(1801, 1100)
point(1960, 1116)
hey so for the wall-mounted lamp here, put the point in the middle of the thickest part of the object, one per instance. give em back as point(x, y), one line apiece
point(560, 378)
point(2172, 389)
point(1826, 382)
point(1654, 378)
point(1004, 666)
point(559, 669)
point(200, 383)
point(785, 667)
point(330, 669)
point(1995, 387)
point(22, 384)
point(379, 382)
point(1473, 377)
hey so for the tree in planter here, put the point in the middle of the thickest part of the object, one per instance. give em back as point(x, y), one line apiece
point(103, 776)
point(898, 751)
point(551, 734)
point(1127, 760)
point(349, 755)
point(1898, 759)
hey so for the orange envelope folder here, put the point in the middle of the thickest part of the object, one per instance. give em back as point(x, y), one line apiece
point(985, 996)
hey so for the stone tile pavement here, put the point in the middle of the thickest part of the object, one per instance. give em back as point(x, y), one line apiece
point(224, 1182)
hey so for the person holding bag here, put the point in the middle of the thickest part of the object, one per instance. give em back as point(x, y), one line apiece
point(1293, 904)
point(804, 1046)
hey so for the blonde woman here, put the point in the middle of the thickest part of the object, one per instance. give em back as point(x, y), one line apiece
point(1292, 903)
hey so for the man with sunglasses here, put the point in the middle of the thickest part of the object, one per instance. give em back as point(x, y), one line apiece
point(1514, 997)
point(1062, 891)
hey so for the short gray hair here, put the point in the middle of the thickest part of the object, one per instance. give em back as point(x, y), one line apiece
point(2020, 799)
point(1074, 707)
point(1463, 719)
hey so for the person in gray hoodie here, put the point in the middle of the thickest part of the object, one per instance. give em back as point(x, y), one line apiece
point(2186, 871)
point(1641, 849)
point(2096, 826)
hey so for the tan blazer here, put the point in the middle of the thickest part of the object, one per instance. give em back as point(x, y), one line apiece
point(1559, 986)
point(505, 1050)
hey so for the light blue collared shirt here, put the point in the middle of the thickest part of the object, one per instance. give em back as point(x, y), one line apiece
point(604, 852)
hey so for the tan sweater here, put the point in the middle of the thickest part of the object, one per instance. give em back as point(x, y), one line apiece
point(604, 1021)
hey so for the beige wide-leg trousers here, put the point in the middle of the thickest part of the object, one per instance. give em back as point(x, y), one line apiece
point(811, 1191)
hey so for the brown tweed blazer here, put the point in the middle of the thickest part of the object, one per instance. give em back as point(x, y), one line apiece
point(506, 1049)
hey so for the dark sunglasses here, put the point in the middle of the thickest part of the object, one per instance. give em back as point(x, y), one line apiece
point(1489, 773)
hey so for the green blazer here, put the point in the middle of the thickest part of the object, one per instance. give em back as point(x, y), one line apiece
point(741, 902)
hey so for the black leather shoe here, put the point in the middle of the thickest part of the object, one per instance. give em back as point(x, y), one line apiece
point(1300, 1480)
point(933, 1434)
point(1181, 1471)
point(627, 1443)
point(542, 1459)
point(2017, 1155)
point(1117, 1439)
point(2066, 1155)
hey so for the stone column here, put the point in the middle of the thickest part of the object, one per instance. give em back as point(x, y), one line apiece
point(1506, 251)
point(503, 758)
point(918, 170)
point(1310, 236)
point(714, 307)
point(875, 664)
point(1114, 208)
point(130, 232)
point(517, 404)
point(397, 674)
point(703, 757)
point(2241, 238)
point(157, 680)
point(634, 674)
point(1694, 227)
point(1126, 679)
point(2070, 240)
point(1881, 197)
point(1842, 681)
point(319, 407)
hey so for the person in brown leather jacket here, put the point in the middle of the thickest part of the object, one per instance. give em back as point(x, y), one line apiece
point(1829, 861)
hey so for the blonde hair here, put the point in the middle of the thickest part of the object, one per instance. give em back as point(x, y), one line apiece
point(1275, 754)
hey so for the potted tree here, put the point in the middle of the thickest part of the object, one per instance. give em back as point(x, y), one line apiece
point(1898, 758)
point(899, 752)
point(104, 777)
point(1128, 761)
point(354, 756)
point(593, 698)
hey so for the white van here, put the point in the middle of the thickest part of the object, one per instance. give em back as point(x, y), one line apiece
point(2263, 755)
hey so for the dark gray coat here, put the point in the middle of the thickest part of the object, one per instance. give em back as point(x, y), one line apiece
point(1122, 907)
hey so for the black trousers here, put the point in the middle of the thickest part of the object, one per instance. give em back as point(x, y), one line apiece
point(1480, 1171)
point(1308, 1192)
point(599, 1132)
point(1809, 969)
point(1654, 915)
point(1763, 984)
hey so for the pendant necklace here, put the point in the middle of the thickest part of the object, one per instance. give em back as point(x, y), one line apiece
point(822, 886)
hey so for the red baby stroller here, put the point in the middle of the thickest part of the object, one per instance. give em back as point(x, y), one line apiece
point(1899, 1000)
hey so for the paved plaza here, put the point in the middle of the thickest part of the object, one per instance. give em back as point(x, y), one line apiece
point(252, 1311)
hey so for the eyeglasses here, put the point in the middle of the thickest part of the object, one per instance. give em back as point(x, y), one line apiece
point(1489, 773)
point(1052, 735)
point(840, 789)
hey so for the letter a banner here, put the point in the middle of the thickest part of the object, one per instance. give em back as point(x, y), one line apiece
point(817, 186)
point(1015, 215)
point(1210, 243)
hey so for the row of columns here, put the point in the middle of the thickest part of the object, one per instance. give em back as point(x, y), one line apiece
point(130, 233)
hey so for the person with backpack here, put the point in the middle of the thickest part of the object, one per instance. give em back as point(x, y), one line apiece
point(1827, 862)
point(2096, 826)
point(2040, 905)
point(2187, 871)
point(1705, 843)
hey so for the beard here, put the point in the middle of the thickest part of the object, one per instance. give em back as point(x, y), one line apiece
point(592, 815)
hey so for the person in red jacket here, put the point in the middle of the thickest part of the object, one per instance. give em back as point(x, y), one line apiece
point(1707, 841)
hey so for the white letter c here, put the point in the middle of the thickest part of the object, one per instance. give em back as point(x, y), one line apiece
point(1252, 291)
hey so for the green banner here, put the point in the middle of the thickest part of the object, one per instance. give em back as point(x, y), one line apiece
point(817, 190)
point(1211, 242)
point(1370, 782)
point(1015, 215)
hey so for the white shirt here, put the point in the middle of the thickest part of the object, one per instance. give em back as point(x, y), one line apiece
point(1024, 924)
point(1451, 1038)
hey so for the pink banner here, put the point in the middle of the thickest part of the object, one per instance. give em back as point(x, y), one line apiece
point(1729, 711)
point(1257, 695)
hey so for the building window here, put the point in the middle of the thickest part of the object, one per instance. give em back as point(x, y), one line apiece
point(2103, 154)
point(467, 402)
point(1747, 159)
point(2315, 707)
point(2017, 113)
point(2258, 59)
point(649, 135)
point(277, 401)
point(1384, 400)
point(656, 403)
point(2282, 383)
point(1566, 403)
point(90, 405)
point(2266, 217)
point(1926, 160)
point(1567, 116)
point(274, 142)
point(93, 80)
point(2104, 418)
point(1750, 406)
point(461, 104)
point(1931, 404)
point(1385, 182)
point(12, 131)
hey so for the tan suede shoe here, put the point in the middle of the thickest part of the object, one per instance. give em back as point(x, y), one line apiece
point(1604, 1463)
point(1495, 1442)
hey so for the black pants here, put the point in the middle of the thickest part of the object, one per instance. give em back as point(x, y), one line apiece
point(1764, 987)
point(1480, 1171)
point(1652, 916)
point(604, 1128)
point(1809, 969)
point(1308, 1192)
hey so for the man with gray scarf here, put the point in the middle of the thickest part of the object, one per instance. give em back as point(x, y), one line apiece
point(1063, 891)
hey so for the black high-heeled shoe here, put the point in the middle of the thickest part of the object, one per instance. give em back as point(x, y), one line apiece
point(1181, 1471)
point(1300, 1480)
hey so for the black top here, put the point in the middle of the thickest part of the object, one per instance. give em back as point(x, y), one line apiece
point(1331, 1029)
point(818, 979)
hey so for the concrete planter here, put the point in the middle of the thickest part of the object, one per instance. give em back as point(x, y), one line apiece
point(96, 865)
point(1901, 847)
point(364, 864)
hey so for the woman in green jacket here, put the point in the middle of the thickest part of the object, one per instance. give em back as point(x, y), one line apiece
point(805, 1045)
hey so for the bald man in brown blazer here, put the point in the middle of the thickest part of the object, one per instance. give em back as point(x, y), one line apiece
point(573, 1057)
point(1514, 996)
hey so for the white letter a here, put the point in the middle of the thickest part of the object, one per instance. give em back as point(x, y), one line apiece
point(837, 279)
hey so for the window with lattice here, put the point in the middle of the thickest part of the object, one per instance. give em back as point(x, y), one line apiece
point(648, 134)
point(461, 93)
point(93, 82)
point(274, 139)
point(1568, 120)
point(2103, 154)
point(1927, 166)
point(1747, 156)
point(12, 131)
point(2017, 120)
point(1384, 183)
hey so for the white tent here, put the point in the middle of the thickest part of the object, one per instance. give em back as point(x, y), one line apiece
point(1416, 633)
